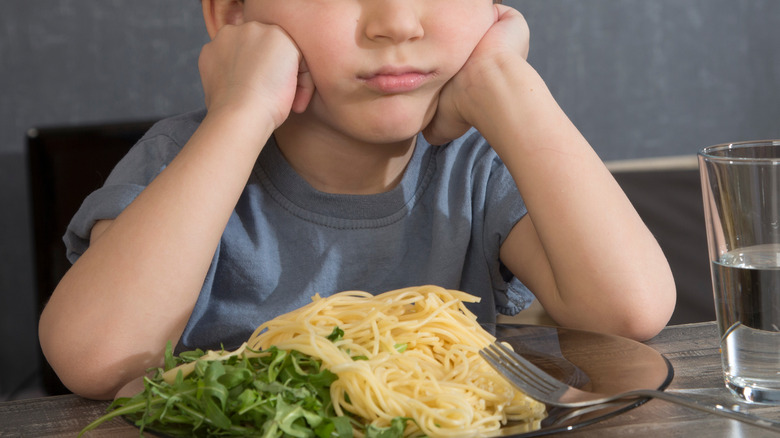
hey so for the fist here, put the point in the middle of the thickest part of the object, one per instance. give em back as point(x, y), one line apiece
point(255, 67)
point(466, 96)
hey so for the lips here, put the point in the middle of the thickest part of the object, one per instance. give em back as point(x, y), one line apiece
point(395, 80)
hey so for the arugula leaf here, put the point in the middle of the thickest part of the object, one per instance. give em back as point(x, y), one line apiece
point(170, 362)
point(396, 429)
point(274, 393)
point(279, 393)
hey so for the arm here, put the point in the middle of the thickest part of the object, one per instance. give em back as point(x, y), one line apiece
point(582, 248)
point(135, 287)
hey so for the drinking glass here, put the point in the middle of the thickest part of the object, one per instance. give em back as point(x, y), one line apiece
point(741, 192)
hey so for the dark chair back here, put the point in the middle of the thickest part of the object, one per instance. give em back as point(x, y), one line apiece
point(65, 165)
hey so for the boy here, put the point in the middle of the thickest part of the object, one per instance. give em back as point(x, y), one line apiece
point(307, 174)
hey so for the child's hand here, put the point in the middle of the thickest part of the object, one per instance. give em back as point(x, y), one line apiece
point(468, 95)
point(256, 67)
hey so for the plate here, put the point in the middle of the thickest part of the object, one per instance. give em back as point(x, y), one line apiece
point(586, 360)
point(590, 361)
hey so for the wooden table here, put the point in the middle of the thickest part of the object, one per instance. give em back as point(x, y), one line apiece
point(692, 349)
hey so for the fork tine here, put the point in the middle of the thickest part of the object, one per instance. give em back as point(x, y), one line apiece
point(520, 382)
point(519, 375)
point(522, 373)
point(535, 372)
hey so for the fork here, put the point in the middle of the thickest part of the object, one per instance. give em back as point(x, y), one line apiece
point(541, 386)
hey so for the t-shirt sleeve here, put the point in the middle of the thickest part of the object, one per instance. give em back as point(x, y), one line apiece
point(504, 208)
point(126, 181)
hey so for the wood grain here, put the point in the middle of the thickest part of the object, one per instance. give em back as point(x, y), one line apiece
point(692, 349)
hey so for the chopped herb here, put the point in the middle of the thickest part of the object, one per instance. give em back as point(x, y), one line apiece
point(336, 334)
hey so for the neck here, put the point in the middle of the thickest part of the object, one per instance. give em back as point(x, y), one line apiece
point(343, 165)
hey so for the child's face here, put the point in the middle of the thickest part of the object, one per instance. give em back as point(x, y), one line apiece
point(378, 65)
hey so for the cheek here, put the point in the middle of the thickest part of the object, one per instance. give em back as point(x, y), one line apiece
point(325, 50)
point(459, 40)
point(326, 64)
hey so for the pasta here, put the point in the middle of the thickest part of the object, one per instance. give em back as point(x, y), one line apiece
point(412, 353)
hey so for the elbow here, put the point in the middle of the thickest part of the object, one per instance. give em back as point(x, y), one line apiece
point(87, 385)
point(648, 313)
point(642, 328)
point(88, 378)
point(80, 373)
point(644, 302)
point(82, 378)
point(90, 369)
point(637, 311)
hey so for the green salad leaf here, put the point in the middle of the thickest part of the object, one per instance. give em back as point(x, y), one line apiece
point(275, 393)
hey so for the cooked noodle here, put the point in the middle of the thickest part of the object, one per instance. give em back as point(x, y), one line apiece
point(406, 353)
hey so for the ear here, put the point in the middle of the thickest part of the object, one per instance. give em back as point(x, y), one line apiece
point(217, 13)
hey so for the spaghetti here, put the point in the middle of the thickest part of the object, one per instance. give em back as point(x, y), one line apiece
point(411, 353)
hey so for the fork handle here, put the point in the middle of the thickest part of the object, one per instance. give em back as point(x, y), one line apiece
point(712, 409)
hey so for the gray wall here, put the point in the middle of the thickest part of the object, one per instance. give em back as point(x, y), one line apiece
point(641, 78)
point(70, 62)
point(645, 78)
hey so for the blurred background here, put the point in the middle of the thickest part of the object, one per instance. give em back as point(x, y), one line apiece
point(642, 79)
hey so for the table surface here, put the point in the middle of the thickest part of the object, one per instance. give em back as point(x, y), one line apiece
point(692, 350)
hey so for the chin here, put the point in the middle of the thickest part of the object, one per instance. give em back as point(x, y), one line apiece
point(389, 134)
point(384, 121)
point(391, 128)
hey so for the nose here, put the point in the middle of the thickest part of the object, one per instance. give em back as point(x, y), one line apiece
point(393, 20)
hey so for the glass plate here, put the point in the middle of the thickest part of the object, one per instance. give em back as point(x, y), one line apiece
point(586, 360)
point(589, 361)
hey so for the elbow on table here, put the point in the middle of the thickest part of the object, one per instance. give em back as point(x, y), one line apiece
point(641, 328)
point(642, 303)
point(648, 314)
point(637, 312)
point(93, 370)
point(98, 380)
point(89, 386)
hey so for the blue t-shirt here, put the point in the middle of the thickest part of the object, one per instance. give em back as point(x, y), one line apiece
point(285, 241)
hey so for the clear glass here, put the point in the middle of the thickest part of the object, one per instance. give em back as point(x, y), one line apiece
point(741, 193)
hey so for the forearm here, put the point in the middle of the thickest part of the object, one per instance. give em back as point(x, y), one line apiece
point(134, 288)
point(607, 270)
